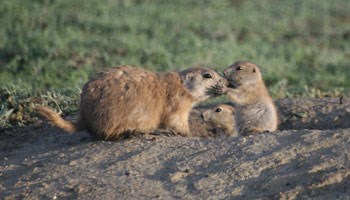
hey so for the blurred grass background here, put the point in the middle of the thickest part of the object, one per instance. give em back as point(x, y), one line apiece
point(49, 48)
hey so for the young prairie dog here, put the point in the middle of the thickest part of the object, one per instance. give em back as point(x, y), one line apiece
point(255, 109)
point(126, 99)
point(222, 117)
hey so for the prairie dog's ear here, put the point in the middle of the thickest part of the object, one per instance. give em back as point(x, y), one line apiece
point(230, 108)
point(187, 79)
point(189, 76)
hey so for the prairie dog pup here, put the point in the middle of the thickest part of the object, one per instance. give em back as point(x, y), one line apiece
point(126, 99)
point(255, 110)
point(221, 116)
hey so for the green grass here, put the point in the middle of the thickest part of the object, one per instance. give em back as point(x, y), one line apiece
point(303, 47)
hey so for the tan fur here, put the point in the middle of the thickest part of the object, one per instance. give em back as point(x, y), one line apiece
point(255, 110)
point(56, 119)
point(221, 116)
point(126, 99)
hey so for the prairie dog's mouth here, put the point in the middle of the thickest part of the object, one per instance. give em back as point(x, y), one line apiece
point(231, 84)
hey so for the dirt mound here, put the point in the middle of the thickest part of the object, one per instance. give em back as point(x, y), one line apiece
point(42, 162)
point(323, 114)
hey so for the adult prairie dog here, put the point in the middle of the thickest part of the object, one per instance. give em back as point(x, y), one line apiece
point(127, 99)
point(255, 109)
point(222, 117)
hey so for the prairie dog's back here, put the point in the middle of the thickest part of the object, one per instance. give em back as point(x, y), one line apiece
point(121, 99)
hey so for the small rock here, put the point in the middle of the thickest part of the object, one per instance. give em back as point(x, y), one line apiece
point(73, 162)
point(61, 155)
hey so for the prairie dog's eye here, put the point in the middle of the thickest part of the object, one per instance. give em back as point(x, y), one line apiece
point(238, 68)
point(218, 110)
point(207, 75)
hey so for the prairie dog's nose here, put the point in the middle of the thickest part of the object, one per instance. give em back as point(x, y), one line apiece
point(226, 72)
point(204, 115)
point(224, 82)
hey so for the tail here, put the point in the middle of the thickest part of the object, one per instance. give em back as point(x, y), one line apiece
point(56, 119)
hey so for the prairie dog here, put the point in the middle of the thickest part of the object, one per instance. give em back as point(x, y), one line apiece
point(127, 99)
point(255, 109)
point(221, 116)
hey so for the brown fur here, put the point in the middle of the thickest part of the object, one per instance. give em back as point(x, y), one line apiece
point(56, 119)
point(126, 99)
point(255, 110)
point(221, 116)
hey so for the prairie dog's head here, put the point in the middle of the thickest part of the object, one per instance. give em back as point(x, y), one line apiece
point(221, 116)
point(242, 73)
point(203, 83)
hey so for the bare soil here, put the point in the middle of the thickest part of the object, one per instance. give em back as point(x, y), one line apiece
point(308, 158)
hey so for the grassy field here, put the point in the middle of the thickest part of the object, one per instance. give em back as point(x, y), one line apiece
point(49, 48)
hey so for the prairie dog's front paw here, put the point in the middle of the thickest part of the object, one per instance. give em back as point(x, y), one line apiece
point(218, 89)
